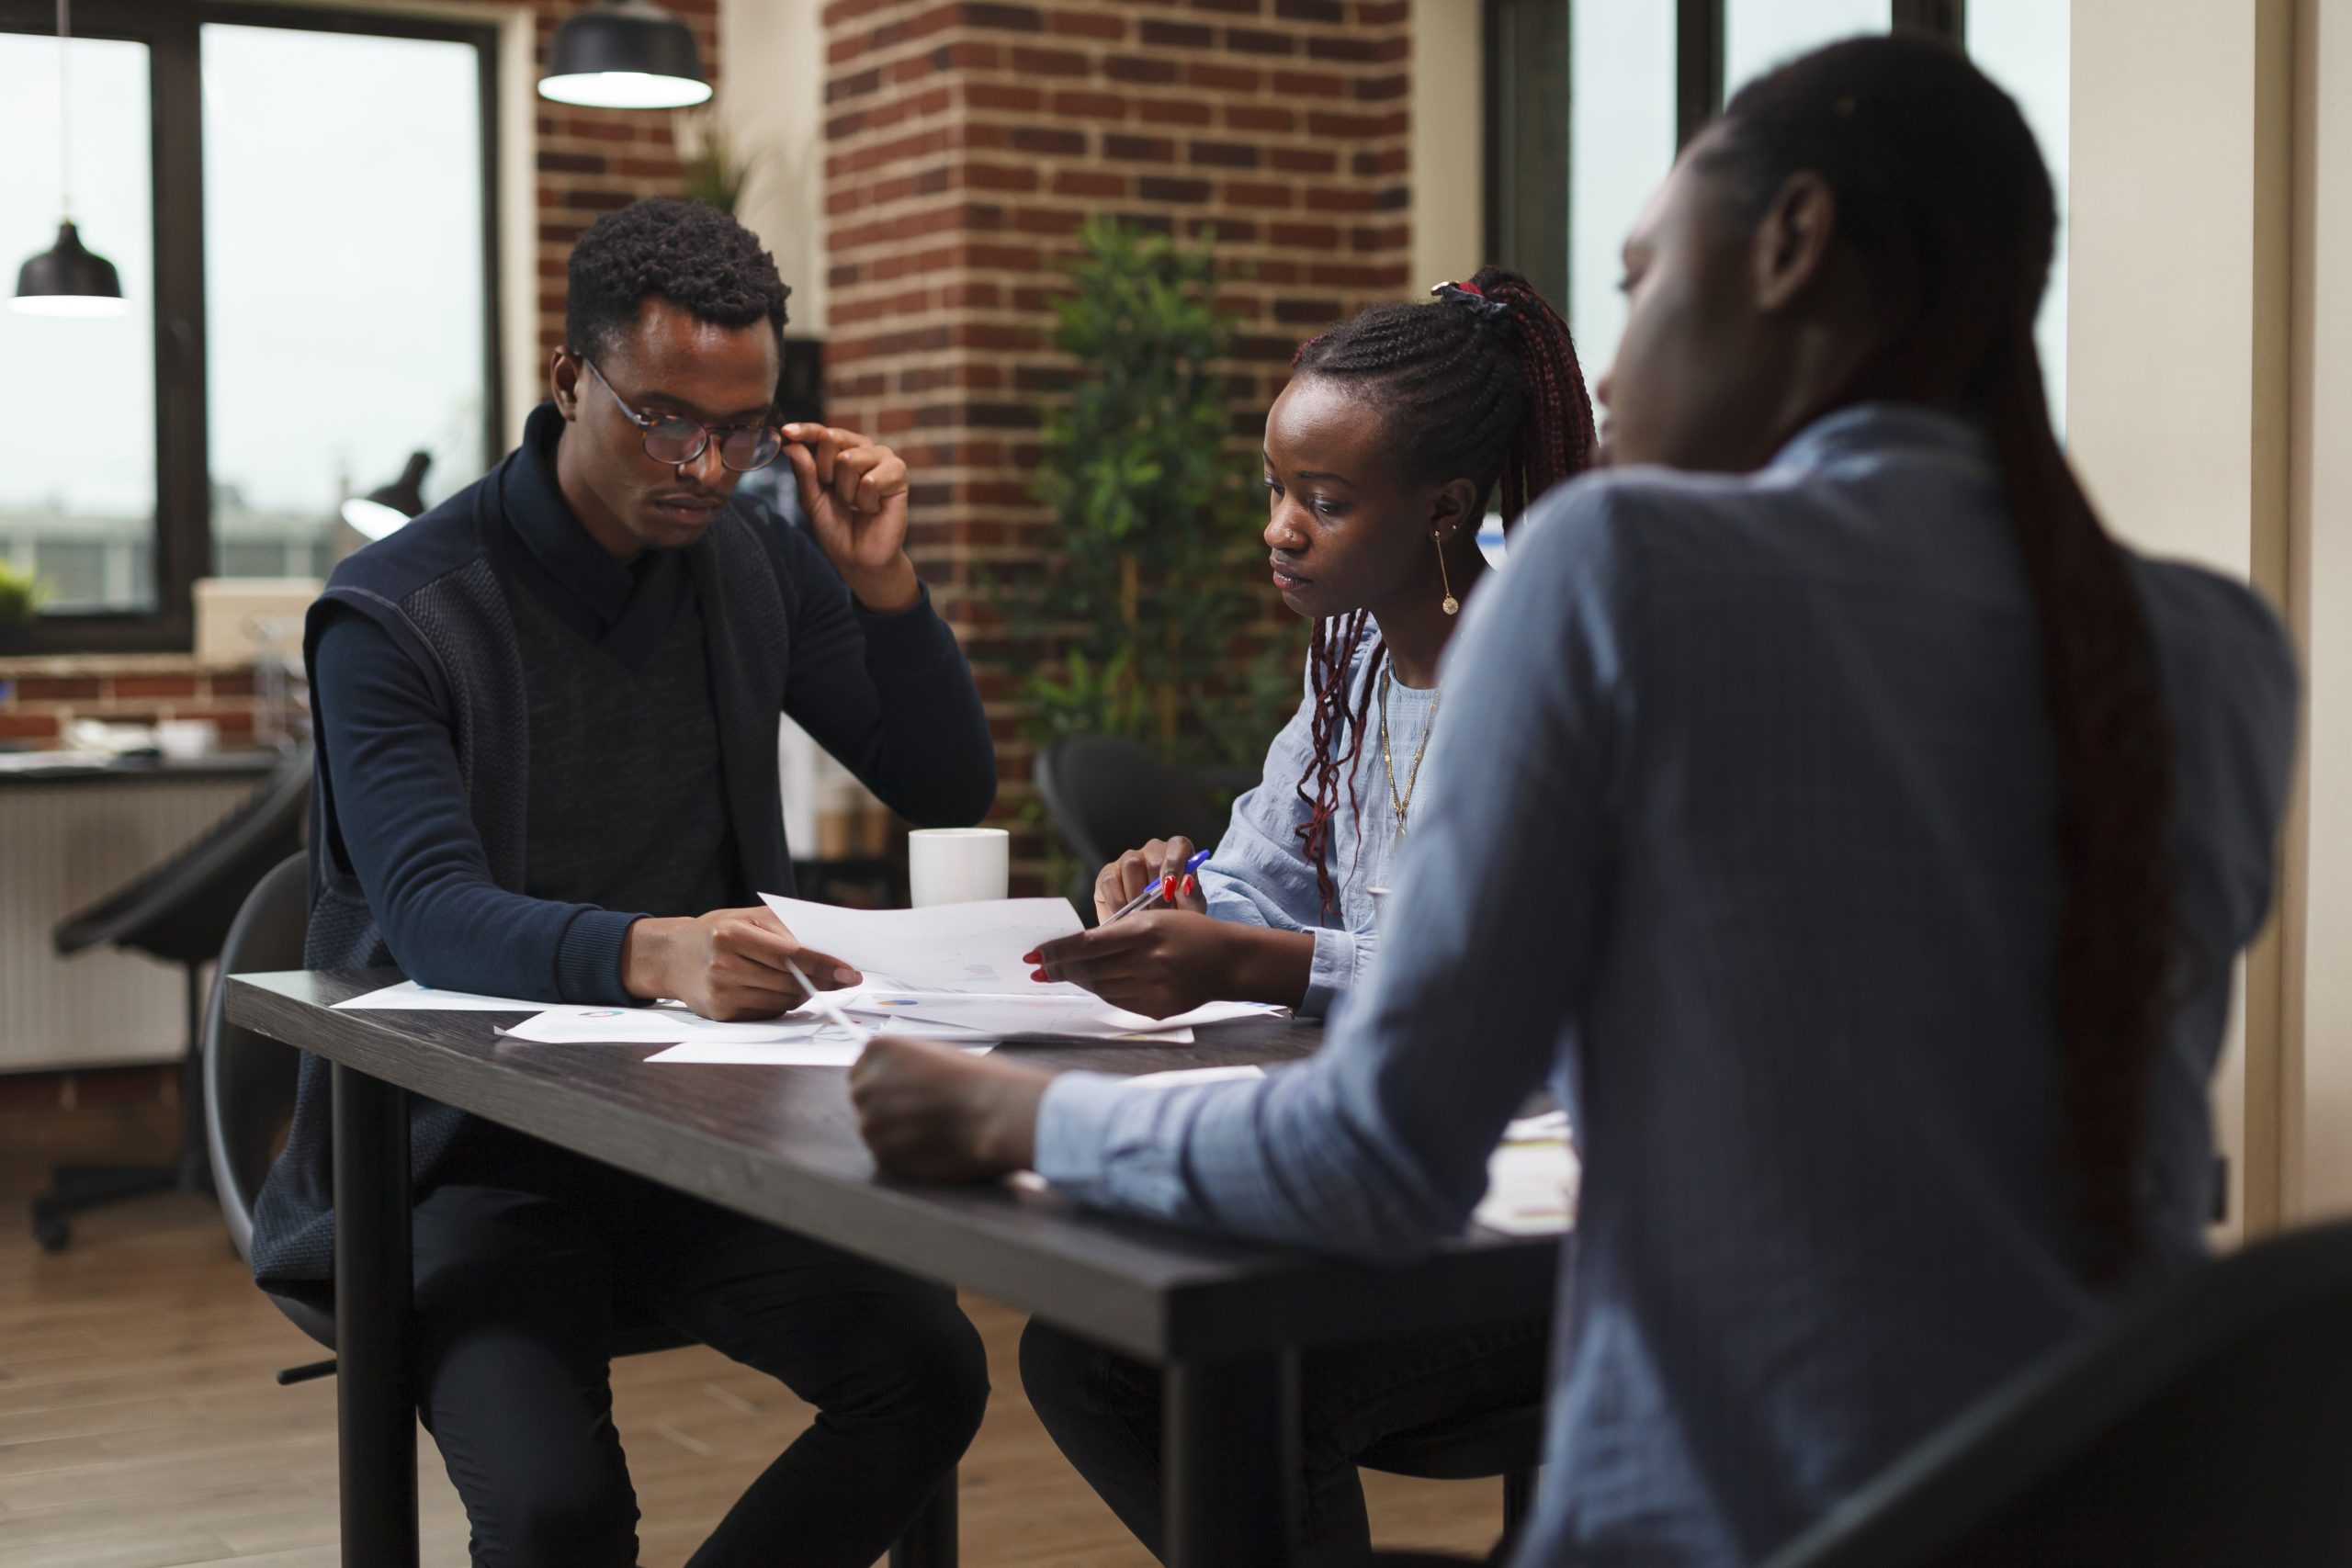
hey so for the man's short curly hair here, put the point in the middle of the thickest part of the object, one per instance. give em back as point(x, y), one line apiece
point(697, 258)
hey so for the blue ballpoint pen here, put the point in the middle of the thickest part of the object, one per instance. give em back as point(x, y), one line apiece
point(1164, 887)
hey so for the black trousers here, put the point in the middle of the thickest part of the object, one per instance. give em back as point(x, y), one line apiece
point(524, 1267)
point(1103, 1410)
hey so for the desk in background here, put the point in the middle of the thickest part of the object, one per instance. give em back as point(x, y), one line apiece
point(69, 834)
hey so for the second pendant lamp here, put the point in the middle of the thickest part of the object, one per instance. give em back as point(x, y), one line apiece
point(68, 279)
point(624, 54)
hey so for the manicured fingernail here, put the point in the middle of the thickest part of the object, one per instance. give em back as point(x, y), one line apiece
point(1168, 888)
point(1187, 889)
point(1037, 975)
point(1029, 958)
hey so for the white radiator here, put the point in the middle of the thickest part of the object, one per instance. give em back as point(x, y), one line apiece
point(62, 847)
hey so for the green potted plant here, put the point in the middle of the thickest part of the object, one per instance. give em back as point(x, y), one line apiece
point(21, 597)
point(1143, 610)
point(1147, 620)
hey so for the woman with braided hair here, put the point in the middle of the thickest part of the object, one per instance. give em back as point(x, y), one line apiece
point(1398, 428)
point(1857, 834)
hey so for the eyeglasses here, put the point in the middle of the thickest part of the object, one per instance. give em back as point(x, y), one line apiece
point(675, 440)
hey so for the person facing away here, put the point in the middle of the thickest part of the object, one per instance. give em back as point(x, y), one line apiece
point(546, 717)
point(1382, 454)
point(1855, 832)
point(1380, 458)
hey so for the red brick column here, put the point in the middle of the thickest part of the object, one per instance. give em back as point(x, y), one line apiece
point(966, 143)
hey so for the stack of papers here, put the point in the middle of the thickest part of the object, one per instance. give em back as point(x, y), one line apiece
point(1532, 1178)
point(951, 972)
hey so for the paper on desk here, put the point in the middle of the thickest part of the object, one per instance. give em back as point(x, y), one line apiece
point(1180, 1075)
point(831, 1046)
point(410, 997)
point(969, 948)
point(1081, 1017)
point(1532, 1178)
point(649, 1026)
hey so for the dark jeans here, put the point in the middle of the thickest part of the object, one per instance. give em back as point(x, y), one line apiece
point(1103, 1412)
point(524, 1267)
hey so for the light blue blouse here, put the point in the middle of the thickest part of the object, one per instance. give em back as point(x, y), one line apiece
point(1260, 875)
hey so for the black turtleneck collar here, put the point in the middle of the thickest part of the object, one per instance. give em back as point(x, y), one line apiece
point(622, 609)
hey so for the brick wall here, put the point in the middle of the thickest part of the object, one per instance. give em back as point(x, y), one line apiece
point(39, 696)
point(966, 143)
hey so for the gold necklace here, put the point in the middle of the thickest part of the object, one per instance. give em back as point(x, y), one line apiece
point(1402, 802)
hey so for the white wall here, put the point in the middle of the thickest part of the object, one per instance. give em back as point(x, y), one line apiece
point(771, 100)
point(2176, 364)
point(1447, 159)
point(2318, 1129)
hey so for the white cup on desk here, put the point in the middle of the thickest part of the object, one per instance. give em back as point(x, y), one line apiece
point(959, 865)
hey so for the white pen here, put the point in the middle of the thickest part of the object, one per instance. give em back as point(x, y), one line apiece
point(824, 1004)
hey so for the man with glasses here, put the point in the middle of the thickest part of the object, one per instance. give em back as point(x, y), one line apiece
point(547, 716)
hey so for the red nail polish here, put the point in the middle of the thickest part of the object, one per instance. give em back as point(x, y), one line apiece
point(1037, 975)
point(1029, 958)
point(1187, 889)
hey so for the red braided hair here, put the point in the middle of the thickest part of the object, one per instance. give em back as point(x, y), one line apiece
point(1482, 384)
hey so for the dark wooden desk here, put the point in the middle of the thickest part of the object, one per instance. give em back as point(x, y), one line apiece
point(780, 1143)
point(253, 765)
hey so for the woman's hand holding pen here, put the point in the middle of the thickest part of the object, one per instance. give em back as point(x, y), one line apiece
point(1123, 881)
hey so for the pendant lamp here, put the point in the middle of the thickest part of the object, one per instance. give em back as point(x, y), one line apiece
point(624, 54)
point(383, 510)
point(68, 279)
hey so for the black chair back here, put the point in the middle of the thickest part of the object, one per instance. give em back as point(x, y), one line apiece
point(2212, 1425)
point(249, 1079)
point(1105, 795)
point(180, 911)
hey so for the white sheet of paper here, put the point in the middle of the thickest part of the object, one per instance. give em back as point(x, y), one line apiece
point(1080, 1017)
point(649, 1026)
point(410, 997)
point(1206, 1013)
point(1532, 1178)
point(833, 1048)
point(969, 948)
point(1198, 1075)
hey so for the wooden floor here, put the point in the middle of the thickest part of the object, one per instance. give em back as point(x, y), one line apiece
point(139, 1426)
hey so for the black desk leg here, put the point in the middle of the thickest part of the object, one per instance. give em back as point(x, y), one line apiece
point(376, 1411)
point(929, 1539)
point(1230, 1432)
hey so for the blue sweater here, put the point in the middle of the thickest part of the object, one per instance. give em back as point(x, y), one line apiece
point(420, 829)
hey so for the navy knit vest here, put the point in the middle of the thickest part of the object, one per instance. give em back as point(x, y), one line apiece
point(433, 588)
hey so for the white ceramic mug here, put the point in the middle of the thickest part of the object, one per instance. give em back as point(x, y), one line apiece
point(959, 865)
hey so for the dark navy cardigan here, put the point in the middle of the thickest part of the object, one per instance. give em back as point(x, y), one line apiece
point(891, 695)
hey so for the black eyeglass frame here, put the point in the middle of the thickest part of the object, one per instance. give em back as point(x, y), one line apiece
point(648, 426)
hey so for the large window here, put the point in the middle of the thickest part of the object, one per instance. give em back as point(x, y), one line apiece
point(77, 403)
point(299, 207)
point(1588, 101)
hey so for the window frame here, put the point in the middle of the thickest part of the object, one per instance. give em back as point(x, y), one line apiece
point(1698, 95)
point(171, 31)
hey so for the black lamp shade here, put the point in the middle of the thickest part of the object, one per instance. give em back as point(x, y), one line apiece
point(624, 54)
point(382, 509)
point(69, 280)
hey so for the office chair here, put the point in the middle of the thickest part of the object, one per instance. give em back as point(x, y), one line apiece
point(1509, 1443)
point(177, 911)
point(248, 1101)
point(1105, 795)
point(2210, 1425)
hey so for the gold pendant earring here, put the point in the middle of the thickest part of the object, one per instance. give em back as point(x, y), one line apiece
point(1452, 605)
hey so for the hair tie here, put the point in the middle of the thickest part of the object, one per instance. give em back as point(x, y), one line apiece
point(1472, 297)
